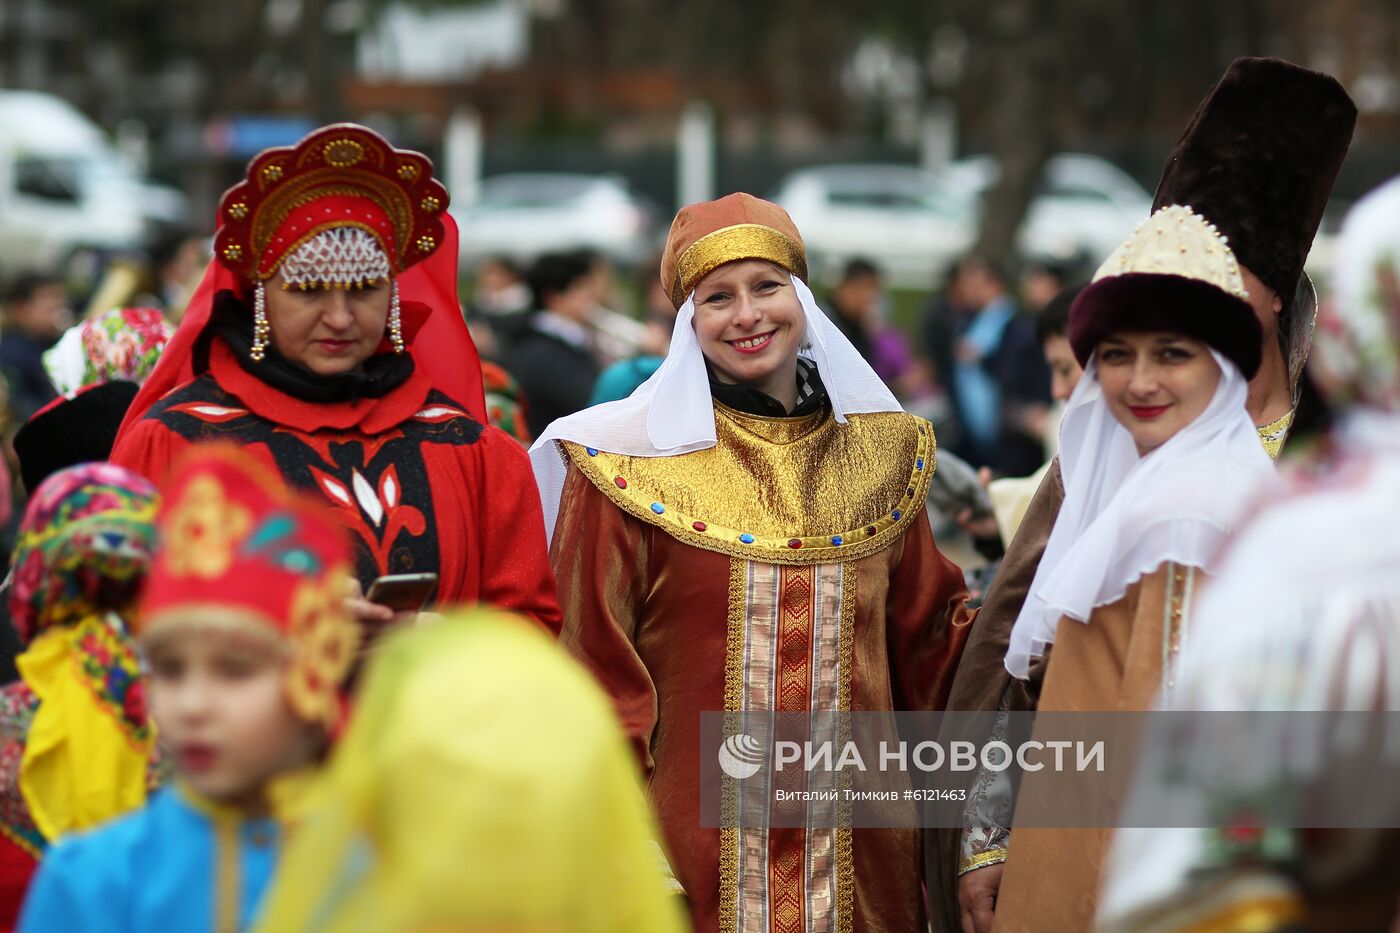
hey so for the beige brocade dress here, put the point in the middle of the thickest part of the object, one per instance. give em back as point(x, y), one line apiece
point(1118, 661)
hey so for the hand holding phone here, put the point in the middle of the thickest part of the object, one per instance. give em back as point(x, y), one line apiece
point(404, 592)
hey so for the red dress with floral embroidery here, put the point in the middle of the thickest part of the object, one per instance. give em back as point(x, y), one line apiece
point(422, 486)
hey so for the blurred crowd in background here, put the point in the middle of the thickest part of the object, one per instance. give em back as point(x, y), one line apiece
point(953, 166)
point(568, 329)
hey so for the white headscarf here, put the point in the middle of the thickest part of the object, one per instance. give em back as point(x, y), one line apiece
point(673, 413)
point(1125, 515)
point(1358, 342)
point(1300, 618)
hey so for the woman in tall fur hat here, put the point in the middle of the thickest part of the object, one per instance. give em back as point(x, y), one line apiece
point(326, 338)
point(746, 533)
point(1160, 460)
point(1304, 617)
point(1258, 161)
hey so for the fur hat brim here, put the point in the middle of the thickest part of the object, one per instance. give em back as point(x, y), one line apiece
point(1141, 301)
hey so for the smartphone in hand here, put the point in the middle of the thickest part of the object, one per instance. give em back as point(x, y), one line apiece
point(403, 592)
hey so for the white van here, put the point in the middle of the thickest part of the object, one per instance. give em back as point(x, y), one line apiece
point(66, 193)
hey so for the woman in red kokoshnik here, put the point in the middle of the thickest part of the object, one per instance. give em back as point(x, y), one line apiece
point(327, 339)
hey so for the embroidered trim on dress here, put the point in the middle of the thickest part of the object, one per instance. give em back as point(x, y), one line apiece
point(845, 842)
point(733, 705)
point(864, 535)
point(982, 860)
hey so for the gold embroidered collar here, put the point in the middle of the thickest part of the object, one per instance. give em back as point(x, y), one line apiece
point(1273, 434)
point(785, 490)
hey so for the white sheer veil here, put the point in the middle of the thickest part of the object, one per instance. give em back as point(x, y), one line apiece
point(672, 412)
point(1125, 515)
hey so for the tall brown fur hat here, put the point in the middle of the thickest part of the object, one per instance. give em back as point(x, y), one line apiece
point(1259, 159)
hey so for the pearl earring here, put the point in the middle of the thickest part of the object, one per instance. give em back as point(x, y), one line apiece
point(395, 322)
point(261, 329)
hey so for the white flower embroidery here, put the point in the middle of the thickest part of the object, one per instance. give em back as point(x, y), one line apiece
point(335, 489)
point(439, 412)
point(364, 492)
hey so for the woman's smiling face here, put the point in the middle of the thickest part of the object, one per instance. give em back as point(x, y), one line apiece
point(1155, 383)
point(750, 324)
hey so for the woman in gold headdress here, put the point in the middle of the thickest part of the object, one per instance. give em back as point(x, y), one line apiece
point(746, 533)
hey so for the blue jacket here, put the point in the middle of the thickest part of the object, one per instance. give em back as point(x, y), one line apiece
point(176, 864)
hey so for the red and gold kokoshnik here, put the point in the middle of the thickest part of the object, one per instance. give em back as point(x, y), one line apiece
point(343, 175)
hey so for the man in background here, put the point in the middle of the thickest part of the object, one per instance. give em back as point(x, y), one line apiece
point(36, 315)
point(995, 374)
point(1012, 495)
point(858, 306)
point(553, 358)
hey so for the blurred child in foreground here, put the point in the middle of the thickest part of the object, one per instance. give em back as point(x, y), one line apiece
point(247, 640)
point(483, 784)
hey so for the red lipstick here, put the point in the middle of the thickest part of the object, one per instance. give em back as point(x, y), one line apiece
point(1147, 412)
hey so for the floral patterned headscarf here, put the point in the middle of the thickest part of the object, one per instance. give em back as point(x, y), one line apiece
point(1357, 356)
point(503, 406)
point(123, 343)
point(85, 546)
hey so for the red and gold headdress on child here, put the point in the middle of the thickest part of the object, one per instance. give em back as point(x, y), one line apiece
point(241, 551)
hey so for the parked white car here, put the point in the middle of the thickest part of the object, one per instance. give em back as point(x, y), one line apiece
point(914, 224)
point(905, 219)
point(523, 215)
point(65, 191)
point(1084, 208)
